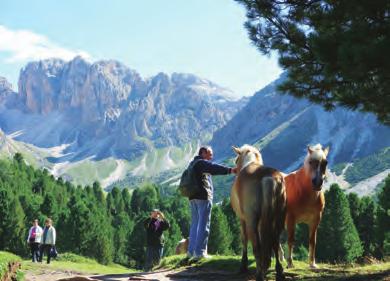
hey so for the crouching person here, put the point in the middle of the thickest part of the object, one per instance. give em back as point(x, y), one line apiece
point(154, 225)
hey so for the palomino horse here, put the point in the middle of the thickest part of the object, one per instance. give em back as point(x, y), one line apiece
point(305, 200)
point(258, 197)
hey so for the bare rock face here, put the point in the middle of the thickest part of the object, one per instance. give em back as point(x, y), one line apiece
point(106, 109)
point(5, 89)
point(283, 126)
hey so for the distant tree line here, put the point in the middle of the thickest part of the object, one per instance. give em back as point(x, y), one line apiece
point(109, 226)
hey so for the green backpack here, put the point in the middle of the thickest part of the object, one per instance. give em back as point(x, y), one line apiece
point(189, 184)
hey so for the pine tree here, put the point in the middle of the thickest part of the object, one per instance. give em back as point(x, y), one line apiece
point(332, 51)
point(126, 197)
point(172, 236)
point(366, 225)
point(220, 238)
point(180, 208)
point(15, 230)
point(383, 230)
point(122, 228)
point(234, 226)
point(137, 243)
point(49, 207)
point(338, 240)
point(354, 206)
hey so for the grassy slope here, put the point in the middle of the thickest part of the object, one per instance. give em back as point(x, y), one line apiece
point(301, 271)
point(5, 258)
point(368, 166)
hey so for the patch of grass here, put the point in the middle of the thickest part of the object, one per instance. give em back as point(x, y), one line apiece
point(368, 166)
point(5, 258)
point(88, 171)
point(79, 264)
point(301, 270)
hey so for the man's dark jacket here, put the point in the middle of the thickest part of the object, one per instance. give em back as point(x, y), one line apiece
point(154, 232)
point(204, 169)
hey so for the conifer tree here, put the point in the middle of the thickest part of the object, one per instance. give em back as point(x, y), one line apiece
point(332, 51)
point(126, 197)
point(180, 208)
point(354, 206)
point(338, 240)
point(234, 226)
point(137, 243)
point(220, 238)
point(15, 230)
point(172, 236)
point(5, 202)
point(366, 225)
point(122, 228)
point(49, 207)
point(383, 230)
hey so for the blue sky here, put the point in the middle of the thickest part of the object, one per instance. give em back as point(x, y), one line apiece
point(204, 37)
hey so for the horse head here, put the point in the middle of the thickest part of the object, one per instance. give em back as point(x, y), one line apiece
point(315, 164)
point(246, 155)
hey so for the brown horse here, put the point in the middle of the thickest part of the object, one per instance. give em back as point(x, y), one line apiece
point(305, 199)
point(258, 197)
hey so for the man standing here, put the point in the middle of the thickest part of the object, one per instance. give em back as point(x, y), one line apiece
point(201, 202)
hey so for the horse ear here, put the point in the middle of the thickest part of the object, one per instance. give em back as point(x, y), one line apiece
point(236, 150)
point(309, 149)
point(326, 151)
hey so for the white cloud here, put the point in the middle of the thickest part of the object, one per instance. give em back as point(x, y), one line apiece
point(24, 45)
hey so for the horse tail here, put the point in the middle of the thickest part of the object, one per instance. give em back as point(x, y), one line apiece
point(271, 219)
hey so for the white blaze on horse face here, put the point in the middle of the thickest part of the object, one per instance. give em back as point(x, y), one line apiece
point(315, 153)
point(250, 154)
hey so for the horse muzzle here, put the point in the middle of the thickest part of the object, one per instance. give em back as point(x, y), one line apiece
point(317, 184)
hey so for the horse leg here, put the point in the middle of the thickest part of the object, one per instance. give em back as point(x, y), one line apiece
point(244, 239)
point(312, 242)
point(254, 237)
point(290, 239)
point(278, 266)
point(280, 252)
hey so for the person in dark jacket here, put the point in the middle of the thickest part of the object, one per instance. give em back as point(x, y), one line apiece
point(201, 202)
point(154, 225)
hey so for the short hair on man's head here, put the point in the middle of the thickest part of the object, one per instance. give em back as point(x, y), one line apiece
point(48, 220)
point(204, 149)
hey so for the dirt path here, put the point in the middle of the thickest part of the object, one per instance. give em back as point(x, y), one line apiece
point(48, 274)
point(187, 274)
point(196, 274)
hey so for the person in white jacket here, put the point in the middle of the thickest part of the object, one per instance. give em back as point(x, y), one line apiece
point(48, 240)
point(34, 240)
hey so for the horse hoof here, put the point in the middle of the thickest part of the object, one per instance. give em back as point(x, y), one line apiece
point(313, 266)
point(243, 269)
point(280, 277)
point(290, 265)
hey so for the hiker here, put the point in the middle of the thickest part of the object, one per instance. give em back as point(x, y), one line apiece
point(201, 201)
point(154, 225)
point(34, 239)
point(48, 240)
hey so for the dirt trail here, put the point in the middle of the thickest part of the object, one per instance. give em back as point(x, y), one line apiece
point(188, 274)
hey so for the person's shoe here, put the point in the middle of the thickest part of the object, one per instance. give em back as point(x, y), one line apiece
point(189, 255)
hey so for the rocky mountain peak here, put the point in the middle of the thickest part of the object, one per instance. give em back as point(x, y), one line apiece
point(108, 103)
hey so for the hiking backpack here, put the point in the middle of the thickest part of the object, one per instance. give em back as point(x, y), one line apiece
point(189, 184)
